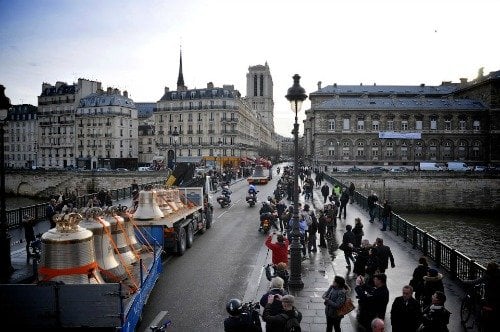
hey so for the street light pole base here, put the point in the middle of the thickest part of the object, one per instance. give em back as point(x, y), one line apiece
point(295, 282)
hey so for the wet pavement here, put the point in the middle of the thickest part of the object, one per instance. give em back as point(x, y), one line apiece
point(322, 266)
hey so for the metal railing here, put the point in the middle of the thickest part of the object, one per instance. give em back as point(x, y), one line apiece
point(15, 216)
point(454, 262)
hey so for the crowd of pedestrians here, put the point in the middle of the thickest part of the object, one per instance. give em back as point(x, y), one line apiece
point(421, 306)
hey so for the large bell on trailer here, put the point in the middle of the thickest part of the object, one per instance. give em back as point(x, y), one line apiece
point(130, 229)
point(147, 208)
point(111, 269)
point(118, 232)
point(68, 253)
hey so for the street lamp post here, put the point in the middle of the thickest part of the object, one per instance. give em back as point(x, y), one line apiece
point(296, 95)
point(175, 135)
point(220, 154)
point(6, 268)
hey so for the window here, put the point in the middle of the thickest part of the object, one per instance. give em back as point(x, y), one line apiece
point(404, 125)
point(461, 125)
point(418, 125)
point(331, 125)
point(375, 125)
point(390, 125)
point(331, 151)
point(261, 85)
point(433, 124)
point(361, 124)
point(346, 124)
point(476, 125)
point(447, 125)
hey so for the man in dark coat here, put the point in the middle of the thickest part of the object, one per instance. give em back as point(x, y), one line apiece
point(405, 312)
point(372, 301)
point(348, 241)
point(384, 254)
point(372, 206)
point(344, 199)
point(325, 190)
point(277, 322)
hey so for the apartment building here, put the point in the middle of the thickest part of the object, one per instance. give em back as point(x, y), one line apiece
point(21, 145)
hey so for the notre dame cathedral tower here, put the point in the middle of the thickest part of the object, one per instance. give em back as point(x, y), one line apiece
point(260, 93)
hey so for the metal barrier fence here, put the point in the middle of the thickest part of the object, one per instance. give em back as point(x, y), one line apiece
point(15, 216)
point(457, 264)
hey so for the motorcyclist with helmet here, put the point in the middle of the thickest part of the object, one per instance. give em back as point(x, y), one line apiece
point(240, 320)
point(252, 190)
point(266, 212)
point(226, 192)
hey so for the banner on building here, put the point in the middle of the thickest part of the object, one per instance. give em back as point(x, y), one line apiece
point(392, 134)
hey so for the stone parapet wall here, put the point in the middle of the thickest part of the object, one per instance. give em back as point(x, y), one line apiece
point(416, 192)
point(44, 184)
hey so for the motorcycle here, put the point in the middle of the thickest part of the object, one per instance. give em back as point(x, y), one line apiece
point(225, 198)
point(266, 220)
point(251, 199)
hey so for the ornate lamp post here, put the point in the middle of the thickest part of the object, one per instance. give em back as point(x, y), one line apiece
point(175, 135)
point(220, 154)
point(6, 268)
point(296, 95)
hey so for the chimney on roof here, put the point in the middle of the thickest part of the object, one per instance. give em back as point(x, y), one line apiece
point(374, 84)
point(361, 84)
point(59, 84)
point(334, 85)
point(463, 81)
point(109, 90)
point(319, 85)
point(422, 85)
point(116, 91)
point(210, 85)
point(167, 89)
point(125, 94)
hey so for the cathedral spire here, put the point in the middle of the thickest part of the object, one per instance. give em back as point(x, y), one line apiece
point(180, 79)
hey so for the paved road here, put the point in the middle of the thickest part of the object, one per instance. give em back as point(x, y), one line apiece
point(317, 272)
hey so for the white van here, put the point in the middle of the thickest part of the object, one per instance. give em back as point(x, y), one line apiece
point(144, 169)
point(429, 166)
point(457, 166)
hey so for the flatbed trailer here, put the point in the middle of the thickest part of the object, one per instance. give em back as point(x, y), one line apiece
point(104, 307)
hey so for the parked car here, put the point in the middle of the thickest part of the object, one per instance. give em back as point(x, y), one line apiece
point(103, 169)
point(121, 170)
point(398, 170)
point(377, 170)
point(480, 168)
point(355, 169)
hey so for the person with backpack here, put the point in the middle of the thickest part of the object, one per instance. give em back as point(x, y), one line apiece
point(334, 298)
point(276, 288)
point(288, 320)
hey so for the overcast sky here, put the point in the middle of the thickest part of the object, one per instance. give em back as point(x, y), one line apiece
point(134, 45)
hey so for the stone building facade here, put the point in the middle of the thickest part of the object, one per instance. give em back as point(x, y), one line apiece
point(106, 131)
point(21, 137)
point(56, 122)
point(214, 124)
point(346, 124)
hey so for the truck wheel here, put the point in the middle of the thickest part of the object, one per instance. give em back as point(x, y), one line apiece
point(209, 216)
point(189, 235)
point(181, 244)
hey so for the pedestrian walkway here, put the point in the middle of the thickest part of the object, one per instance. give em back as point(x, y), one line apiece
point(321, 267)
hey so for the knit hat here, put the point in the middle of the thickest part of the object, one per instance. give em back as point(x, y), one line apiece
point(433, 272)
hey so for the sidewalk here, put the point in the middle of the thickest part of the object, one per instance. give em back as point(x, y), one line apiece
point(319, 270)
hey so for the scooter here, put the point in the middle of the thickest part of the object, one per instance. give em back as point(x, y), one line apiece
point(225, 197)
point(224, 200)
point(251, 199)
